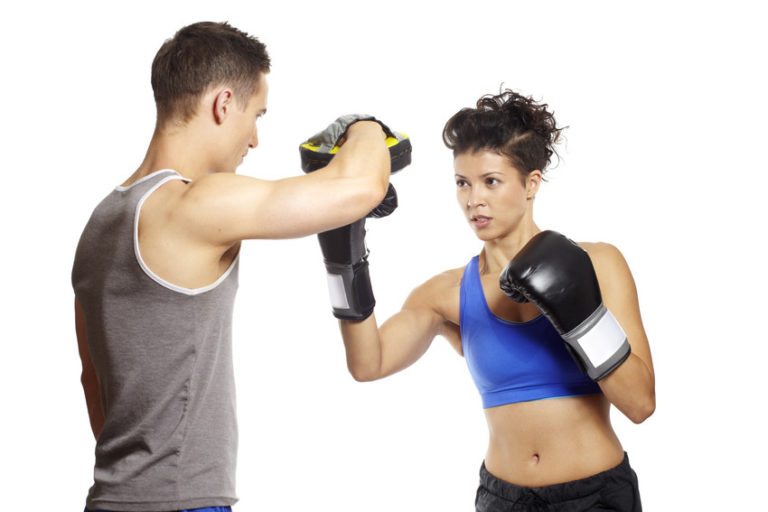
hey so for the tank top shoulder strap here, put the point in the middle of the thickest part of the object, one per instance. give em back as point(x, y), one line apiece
point(147, 182)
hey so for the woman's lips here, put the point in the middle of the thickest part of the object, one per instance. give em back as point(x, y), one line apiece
point(480, 221)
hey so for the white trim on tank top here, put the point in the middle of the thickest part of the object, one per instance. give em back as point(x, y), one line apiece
point(143, 265)
point(122, 188)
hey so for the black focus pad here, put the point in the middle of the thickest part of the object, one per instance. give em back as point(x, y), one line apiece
point(318, 151)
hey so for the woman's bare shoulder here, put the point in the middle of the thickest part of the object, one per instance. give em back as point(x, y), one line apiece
point(443, 282)
point(439, 294)
point(605, 256)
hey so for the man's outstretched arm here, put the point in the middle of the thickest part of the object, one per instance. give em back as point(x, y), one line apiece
point(224, 208)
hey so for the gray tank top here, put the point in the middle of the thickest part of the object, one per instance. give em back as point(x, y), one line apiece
point(163, 357)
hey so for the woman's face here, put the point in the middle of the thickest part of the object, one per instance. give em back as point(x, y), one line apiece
point(491, 192)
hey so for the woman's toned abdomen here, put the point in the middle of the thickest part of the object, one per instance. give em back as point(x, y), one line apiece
point(551, 441)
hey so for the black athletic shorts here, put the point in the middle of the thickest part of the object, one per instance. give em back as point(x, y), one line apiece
point(615, 489)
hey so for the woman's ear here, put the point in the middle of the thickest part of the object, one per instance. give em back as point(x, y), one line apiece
point(532, 182)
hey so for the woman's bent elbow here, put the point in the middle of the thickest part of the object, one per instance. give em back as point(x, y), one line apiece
point(363, 374)
point(643, 410)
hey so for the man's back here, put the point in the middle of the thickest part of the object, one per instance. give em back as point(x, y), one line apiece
point(162, 354)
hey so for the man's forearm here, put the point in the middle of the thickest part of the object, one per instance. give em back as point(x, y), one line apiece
point(364, 153)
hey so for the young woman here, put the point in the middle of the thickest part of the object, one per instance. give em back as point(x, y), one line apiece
point(549, 363)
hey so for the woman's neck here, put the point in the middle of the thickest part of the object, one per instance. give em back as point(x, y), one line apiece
point(496, 253)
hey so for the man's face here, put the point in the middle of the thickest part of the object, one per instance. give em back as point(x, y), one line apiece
point(244, 132)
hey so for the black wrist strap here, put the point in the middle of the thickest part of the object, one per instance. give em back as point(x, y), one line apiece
point(350, 290)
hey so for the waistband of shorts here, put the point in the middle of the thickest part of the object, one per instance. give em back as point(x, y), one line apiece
point(204, 509)
point(557, 492)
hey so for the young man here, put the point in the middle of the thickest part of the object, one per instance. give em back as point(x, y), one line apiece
point(155, 271)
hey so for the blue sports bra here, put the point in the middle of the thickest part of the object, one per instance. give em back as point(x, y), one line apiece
point(514, 362)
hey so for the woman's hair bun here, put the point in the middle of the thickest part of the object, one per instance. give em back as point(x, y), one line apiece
point(508, 123)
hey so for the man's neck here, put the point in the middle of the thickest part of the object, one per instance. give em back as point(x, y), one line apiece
point(180, 149)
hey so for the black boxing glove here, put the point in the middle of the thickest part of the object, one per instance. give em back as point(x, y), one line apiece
point(346, 261)
point(556, 275)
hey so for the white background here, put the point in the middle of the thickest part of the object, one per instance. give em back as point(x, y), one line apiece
point(665, 159)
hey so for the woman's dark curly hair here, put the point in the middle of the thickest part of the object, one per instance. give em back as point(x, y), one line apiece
point(509, 124)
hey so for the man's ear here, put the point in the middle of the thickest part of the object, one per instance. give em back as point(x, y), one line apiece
point(223, 102)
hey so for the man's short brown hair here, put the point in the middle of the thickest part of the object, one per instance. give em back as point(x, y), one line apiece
point(201, 56)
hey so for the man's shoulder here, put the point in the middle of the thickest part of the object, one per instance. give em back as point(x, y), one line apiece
point(166, 203)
